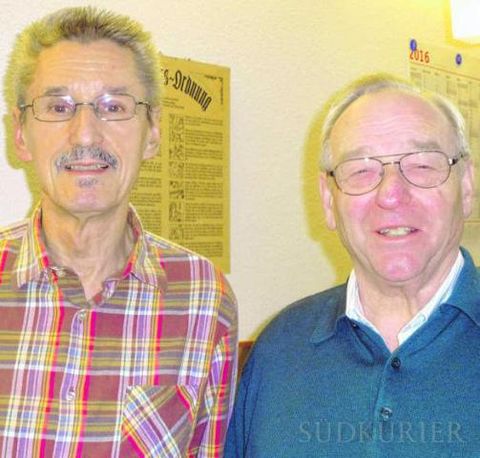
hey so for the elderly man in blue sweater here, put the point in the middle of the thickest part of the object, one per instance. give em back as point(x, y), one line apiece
point(388, 364)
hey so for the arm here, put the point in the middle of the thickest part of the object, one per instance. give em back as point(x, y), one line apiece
point(238, 430)
point(209, 436)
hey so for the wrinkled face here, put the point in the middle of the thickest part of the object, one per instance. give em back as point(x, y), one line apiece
point(100, 178)
point(397, 233)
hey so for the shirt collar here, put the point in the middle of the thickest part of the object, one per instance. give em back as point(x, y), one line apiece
point(465, 295)
point(143, 263)
point(354, 309)
point(33, 262)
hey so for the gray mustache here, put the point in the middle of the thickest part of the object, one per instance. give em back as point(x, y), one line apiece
point(81, 152)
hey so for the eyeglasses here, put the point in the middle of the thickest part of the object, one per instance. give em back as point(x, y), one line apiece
point(107, 107)
point(424, 169)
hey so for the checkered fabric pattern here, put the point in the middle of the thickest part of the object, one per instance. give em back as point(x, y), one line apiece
point(145, 368)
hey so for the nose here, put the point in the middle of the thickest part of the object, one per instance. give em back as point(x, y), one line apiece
point(85, 128)
point(393, 190)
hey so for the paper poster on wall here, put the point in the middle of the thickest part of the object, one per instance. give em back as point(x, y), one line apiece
point(457, 76)
point(183, 194)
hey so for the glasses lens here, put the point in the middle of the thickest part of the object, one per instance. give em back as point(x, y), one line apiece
point(358, 176)
point(425, 169)
point(115, 107)
point(53, 108)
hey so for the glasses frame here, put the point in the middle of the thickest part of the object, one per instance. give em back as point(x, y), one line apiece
point(451, 161)
point(93, 104)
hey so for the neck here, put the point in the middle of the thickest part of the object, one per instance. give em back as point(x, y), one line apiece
point(388, 312)
point(390, 306)
point(94, 246)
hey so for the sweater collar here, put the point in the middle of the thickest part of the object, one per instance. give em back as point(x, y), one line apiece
point(332, 312)
point(466, 293)
point(465, 296)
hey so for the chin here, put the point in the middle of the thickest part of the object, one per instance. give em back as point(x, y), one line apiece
point(87, 206)
point(399, 273)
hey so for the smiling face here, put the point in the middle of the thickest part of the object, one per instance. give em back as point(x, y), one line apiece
point(86, 165)
point(397, 233)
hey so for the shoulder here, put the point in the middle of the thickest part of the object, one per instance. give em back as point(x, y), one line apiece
point(166, 246)
point(176, 258)
point(14, 231)
point(12, 238)
point(286, 342)
point(300, 318)
point(188, 269)
point(171, 252)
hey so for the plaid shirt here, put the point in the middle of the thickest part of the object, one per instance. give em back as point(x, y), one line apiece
point(146, 368)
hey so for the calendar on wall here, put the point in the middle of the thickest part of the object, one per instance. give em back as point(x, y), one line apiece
point(457, 76)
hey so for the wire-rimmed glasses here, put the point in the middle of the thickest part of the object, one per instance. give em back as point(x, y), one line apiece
point(424, 169)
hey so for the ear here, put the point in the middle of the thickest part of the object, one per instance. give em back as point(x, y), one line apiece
point(21, 148)
point(153, 140)
point(468, 187)
point(327, 201)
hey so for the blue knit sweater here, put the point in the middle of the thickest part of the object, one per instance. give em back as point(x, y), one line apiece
point(319, 385)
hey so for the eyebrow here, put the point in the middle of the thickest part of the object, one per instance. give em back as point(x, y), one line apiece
point(426, 146)
point(63, 90)
point(116, 90)
point(430, 145)
point(357, 152)
point(56, 90)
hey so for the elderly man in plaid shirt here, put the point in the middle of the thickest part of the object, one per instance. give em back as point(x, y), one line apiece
point(113, 341)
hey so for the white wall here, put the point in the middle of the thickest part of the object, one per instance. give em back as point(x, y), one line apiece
point(286, 57)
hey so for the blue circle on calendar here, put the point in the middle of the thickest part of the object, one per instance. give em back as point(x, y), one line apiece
point(458, 59)
point(413, 44)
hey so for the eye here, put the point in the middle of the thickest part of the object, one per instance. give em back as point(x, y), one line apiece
point(424, 162)
point(60, 107)
point(420, 166)
point(112, 106)
point(361, 171)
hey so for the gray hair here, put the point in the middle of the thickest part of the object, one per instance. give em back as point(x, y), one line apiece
point(376, 83)
point(84, 25)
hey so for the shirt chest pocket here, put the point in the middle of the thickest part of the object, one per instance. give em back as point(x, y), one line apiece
point(158, 421)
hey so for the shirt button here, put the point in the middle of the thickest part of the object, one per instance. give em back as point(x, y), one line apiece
point(386, 413)
point(396, 363)
point(70, 395)
point(60, 271)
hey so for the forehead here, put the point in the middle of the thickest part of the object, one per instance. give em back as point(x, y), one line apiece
point(389, 122)
point(86, 68)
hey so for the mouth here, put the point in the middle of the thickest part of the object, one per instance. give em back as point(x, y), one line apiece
point(86, 159)
point(90, 167)
point(398, 231)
